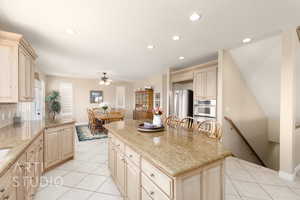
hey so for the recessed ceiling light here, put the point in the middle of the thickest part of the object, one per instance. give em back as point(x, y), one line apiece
point(246, 40)
point(150, 46)
point(195, 17)
point(176, 37)
point(181, 58)
point(70, 31)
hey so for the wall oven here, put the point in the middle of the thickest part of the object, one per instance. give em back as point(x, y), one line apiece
point(205, 109)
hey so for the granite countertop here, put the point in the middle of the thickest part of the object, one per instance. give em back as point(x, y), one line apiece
point(174, 151)
point(18, 137)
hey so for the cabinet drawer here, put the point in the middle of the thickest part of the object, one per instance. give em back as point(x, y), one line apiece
point(159, 178)
point(5, 182)
point(132, 156)
point(151, 189)
point(145, 196)
point(119, 145)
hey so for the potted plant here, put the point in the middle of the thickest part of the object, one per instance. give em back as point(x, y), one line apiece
point(104, 106)
point(54, 105)
point(157, 121)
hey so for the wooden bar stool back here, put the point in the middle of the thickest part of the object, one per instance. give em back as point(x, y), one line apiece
point(211, 128)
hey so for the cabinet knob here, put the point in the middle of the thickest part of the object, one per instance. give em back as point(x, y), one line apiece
point(6, 197)
point(22, 166)
point(2, 190)
point(130, 156)
point(151, 193)
point(152, 175)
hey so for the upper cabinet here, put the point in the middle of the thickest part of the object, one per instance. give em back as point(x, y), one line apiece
point(17, 64)
point(205, 83)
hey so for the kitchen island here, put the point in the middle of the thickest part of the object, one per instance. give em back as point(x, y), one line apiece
point(175, 164)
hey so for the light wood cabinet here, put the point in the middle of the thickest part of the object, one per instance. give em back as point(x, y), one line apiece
point(17, 64)
point(52, 144)
point(132, 181)
point(120, 171)
point(26, 75)
point(21, 181)
point(67, 139)
point(59, 145)
point(205, 83)
point(145, 181)
point(111, 157)
point(20, 177)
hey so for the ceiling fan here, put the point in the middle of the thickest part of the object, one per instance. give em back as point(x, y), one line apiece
point(104, 80)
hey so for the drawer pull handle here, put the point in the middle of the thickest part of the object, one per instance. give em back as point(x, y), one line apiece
point(152, 175)
point(118, 145)
point(22, 166)
point(130, 156)
point(151, 193)
point(2, 190)
point(6, 197)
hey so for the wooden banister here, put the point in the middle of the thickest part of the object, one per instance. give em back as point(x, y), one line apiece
point(244, 139)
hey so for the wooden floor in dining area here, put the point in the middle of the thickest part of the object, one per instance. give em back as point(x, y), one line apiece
point(88, 178)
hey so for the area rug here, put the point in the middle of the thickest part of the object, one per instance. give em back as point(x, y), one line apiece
point(84, 133)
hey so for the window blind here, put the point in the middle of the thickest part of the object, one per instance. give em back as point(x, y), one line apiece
point(66, 94)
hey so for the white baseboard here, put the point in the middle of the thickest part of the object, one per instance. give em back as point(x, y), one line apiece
point(81, 123)
point(287, 176)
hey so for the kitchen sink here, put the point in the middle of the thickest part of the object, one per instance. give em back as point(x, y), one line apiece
point(4, 152)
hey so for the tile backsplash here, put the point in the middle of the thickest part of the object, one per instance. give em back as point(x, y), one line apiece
point(8, 111)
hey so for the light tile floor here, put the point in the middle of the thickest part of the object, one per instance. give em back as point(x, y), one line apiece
point(88, 178)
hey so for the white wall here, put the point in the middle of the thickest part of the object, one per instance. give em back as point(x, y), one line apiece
point(260, 64)
point(242, 107)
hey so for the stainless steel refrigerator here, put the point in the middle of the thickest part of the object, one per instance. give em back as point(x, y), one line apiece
point(183, 103)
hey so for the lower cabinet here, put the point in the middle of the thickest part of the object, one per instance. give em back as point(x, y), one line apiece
point(59, 145)
point(120, 171)
point(138, 179)
point(21, 181)
point(124, 169)
point(132, 181)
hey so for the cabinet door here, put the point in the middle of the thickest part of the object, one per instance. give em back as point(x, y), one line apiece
point(199, 85)
point(22, 74)
point(19, 178)
point(31, 71)
point(120, 171)
point(9, 74)
point(132, 182)
point(211, 83)
point(111, 158)
point(52, 148)
point(67, 141)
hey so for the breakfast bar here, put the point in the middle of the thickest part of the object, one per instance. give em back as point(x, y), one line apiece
point(174, 164)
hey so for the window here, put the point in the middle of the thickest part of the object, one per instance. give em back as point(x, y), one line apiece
point(120, 97)
point(66, 94)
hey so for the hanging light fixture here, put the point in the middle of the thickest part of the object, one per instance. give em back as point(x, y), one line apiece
point(104, 80)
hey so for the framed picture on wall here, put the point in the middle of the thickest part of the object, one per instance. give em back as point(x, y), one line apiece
point(96, 96)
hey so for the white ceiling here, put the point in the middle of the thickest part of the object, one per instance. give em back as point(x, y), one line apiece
point(112, 35)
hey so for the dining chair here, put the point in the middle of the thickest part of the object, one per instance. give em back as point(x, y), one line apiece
point(172, 121)
point(96, 124)
point(187, 123)
point(211, 128)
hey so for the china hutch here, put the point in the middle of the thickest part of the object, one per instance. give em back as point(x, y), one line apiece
point(143, 105)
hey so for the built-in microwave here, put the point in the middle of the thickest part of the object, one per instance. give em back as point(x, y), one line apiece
point(205, 108)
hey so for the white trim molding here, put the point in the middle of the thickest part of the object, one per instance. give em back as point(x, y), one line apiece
point(287, 176)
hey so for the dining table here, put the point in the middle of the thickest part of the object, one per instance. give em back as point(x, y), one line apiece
point(109, 117)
